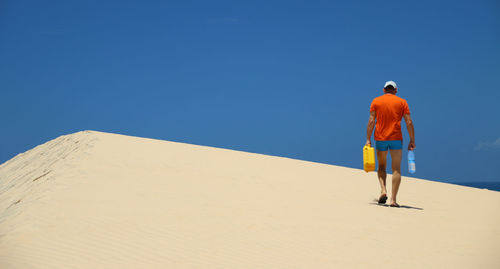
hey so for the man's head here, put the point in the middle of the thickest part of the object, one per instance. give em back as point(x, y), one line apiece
point(390, 87)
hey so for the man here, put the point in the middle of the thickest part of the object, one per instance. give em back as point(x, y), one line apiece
point(388, 110)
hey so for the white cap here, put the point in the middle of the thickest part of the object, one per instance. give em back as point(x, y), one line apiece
point(392, 83)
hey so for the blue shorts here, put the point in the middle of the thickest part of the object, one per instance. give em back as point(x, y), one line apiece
point(391, 144)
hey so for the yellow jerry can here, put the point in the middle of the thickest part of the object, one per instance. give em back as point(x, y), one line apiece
point(368, 159)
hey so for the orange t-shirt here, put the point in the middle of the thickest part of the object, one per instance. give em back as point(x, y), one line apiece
point(389, 110)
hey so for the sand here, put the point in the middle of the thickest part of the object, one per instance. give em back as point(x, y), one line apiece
point(100, 200)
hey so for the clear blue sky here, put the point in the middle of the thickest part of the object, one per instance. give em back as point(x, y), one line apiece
point(286, 78)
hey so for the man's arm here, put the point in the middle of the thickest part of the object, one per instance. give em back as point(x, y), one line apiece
point(369, 129)
point(411, 131)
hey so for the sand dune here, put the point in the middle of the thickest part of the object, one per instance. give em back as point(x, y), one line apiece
point(99, 200)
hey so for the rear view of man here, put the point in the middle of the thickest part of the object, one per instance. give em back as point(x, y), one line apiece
point(387, 111)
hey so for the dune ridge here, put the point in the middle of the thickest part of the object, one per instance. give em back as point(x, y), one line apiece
point(101, 200)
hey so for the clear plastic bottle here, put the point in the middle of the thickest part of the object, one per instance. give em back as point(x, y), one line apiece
point(411, 162)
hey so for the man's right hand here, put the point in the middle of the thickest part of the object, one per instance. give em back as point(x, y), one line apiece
point(411, 145)
point(411, 131)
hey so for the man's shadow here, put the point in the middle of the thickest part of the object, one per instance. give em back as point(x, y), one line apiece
point(375, 202)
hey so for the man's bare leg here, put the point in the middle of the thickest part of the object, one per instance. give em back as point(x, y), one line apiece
point(381, 173)
point(396, 155)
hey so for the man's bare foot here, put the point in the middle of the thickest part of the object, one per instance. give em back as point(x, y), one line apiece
point(394, 204)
